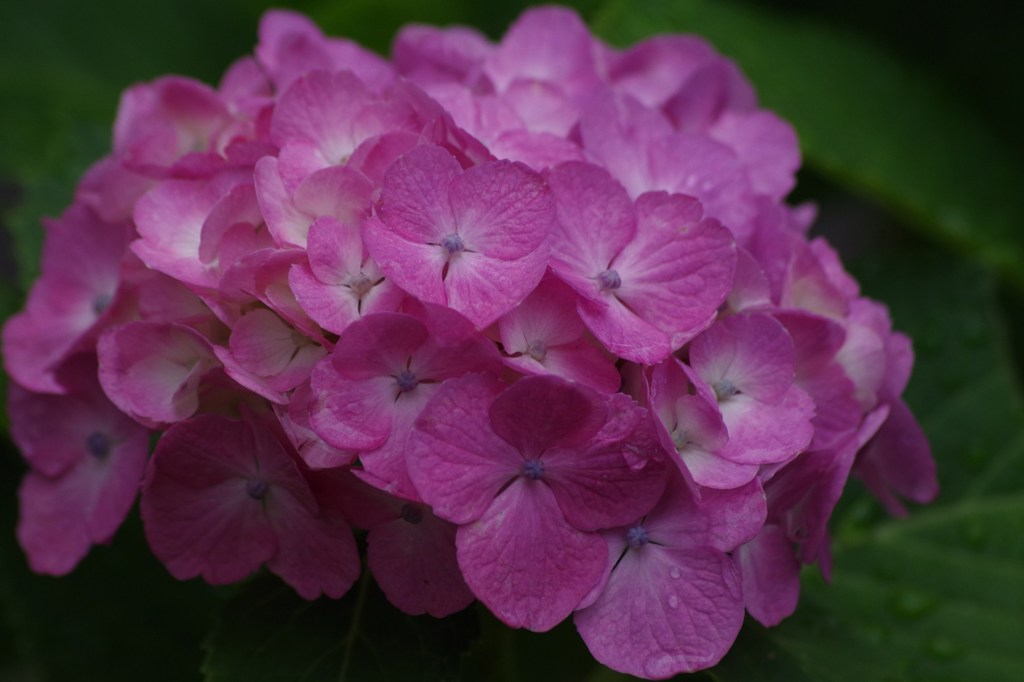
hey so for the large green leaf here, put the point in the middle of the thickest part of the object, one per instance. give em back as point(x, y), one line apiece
point(863, 118)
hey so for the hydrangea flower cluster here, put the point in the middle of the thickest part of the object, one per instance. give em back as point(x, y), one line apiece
point(534, 315)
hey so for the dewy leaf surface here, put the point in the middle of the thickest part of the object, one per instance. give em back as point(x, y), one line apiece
point(267, 633)
point(863, 118)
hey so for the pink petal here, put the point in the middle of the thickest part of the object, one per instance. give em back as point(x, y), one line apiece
point(898, 462)
point(761, 433)
point(414, 199)
point(771, 576)
point(595, 220)
point(413, 559)
point(484, 288)
point(623, 333)
point(749, 354)
point(524, 562)
point(352, 414)
point(665, 611)
point(545, 44)
point(315, 555)
point(678, 270)
point(537, 414)
point(502, 209)
point(456, 461)
point(152, 370)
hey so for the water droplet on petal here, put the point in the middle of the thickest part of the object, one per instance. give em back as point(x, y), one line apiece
point(673, 601)
point(674, 573)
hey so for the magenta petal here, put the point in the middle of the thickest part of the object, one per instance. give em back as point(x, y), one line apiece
point(352, 415)
point(540, 413)
point(898, 462)
point(484, 288)
point(413, 559)
point(595, 220)
point(414, 198)
point(608, 482)
point(378, 345)
point(665, 611)
point(524, 562)
point(315, 555)
point(771, 576)
point(210, 491)
point(456, 461)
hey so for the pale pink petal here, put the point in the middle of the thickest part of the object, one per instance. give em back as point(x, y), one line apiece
point(747, 354)
point(152, 370)
point(761, 433)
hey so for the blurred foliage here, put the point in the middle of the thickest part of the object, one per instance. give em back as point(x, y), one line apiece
point(909, 114)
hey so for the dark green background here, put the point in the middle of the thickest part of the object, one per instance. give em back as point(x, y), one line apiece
point(910, 119)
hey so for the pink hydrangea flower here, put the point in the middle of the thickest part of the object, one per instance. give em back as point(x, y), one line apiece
point(475, 240)
point(531, 313)
point(86, 460)
point(222, 497)
point(530, 473)
point(672, 600)
point(649, 277)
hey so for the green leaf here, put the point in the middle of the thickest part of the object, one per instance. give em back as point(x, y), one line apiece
point(863, 118)
point(266, 632)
